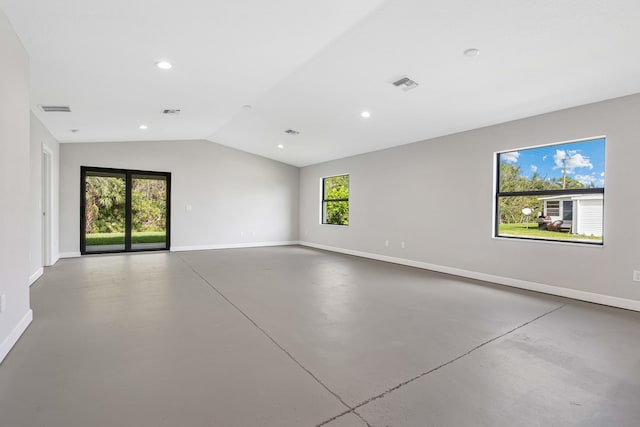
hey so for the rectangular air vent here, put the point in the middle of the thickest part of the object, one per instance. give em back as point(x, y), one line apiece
point(55, 108)
point(170, 111)
point(406, 83)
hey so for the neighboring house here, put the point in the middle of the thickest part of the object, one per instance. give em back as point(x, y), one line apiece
point(580, 213)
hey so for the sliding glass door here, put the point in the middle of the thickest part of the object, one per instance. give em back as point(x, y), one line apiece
point(124, 210)
point(149, 212)
point(104, 214)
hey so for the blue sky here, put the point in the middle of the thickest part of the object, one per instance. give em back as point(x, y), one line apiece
point(585, 161)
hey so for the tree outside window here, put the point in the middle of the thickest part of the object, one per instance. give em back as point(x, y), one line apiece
point(335, 200)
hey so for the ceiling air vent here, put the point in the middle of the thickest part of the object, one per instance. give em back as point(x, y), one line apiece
point(170, 111)
point(291, 132)
point(55, 108)
point(406, 83)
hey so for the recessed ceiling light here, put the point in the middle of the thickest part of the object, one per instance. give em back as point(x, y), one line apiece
point(164, 65)
point(280, 146)
point(365, 114)
point(471, 53)
point(247, 107)
point(143, 127)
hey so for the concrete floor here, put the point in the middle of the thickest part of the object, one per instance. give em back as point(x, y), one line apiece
point(290, 336)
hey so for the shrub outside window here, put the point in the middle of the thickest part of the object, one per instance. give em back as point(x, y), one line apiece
point(553, 192)
point(335, 200)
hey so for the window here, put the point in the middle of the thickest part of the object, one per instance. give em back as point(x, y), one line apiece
point(553, 192)
point(335, 200)
point(552, 208)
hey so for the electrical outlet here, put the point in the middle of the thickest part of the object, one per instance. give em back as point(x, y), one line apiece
point(402, 245)
point(386, 243)
point(636, 276)
point(3, 303)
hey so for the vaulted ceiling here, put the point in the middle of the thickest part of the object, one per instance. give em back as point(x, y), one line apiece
point(245, 71)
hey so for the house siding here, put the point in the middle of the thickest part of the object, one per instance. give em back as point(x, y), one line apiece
point(590, 217)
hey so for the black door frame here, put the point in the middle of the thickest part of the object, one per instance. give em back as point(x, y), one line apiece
point(128, 173)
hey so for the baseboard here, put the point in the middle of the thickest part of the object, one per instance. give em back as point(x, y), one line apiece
point(69, 255)
point(507, 281)
point(35, 276)
point(208, 247)
point(232, 246)
point(55, 258)
point(15, 335)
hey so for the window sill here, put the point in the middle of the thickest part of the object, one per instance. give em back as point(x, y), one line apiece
point(553, 242)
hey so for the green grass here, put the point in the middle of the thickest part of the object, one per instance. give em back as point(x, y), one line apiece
point(521, 230)
point(98, 239)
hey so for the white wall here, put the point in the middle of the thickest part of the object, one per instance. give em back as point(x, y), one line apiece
point(14, 187)
point(42, 140)
point(437, 196)
point(236, 198)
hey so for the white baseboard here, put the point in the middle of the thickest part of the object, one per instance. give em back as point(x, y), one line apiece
point(208, 247)
point(507, 281)
point(55, 258)
point(69, 255)
point(35, 276)
point(232, 246)
point(15, 335)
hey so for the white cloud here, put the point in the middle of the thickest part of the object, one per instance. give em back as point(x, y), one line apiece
point(588, 180)
point(602, 174)
point(511, 157)
point(558, 157)
point(574, 160)
point(534, 168)
point(579, 161)
point(544, 157)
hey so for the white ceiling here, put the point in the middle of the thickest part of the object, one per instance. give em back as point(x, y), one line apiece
point(313, 66)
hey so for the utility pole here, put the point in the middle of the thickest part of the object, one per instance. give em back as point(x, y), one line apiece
point(564, 173)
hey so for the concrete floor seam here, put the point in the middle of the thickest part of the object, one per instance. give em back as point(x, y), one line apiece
point(266, 334)
point(479, 346)
point(342, 414)
point(362, 418)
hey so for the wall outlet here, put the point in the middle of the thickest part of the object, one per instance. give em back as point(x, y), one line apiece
point(3, 303)
point(402, 245)
point(636, 276)
point(188, 208)
point(386, 243)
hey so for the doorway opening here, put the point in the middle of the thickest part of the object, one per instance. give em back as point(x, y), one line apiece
point(124, 210)
point(46, 208)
